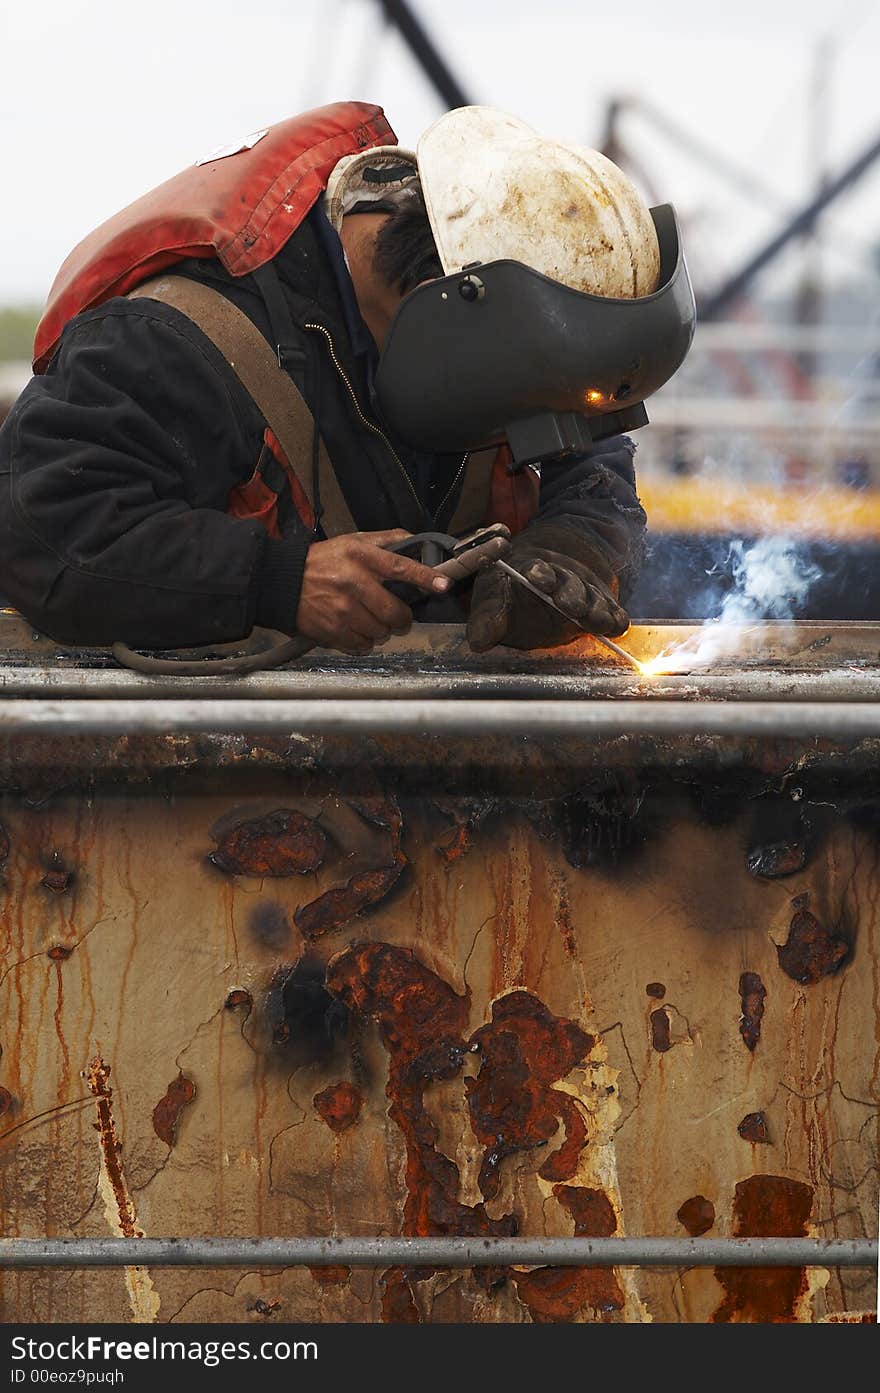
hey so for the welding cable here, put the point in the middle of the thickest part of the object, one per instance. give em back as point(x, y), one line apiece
point(237, 663)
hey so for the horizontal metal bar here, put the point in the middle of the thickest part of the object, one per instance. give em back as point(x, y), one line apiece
point(745, 684)
point(438, 1252)
point(511, 719)
point(708, 684)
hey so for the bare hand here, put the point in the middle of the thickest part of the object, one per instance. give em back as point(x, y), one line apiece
point(344, 603)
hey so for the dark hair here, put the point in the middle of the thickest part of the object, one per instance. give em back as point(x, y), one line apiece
point(405, 252)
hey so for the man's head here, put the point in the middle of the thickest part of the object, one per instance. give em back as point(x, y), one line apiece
point(507, 277)
point(389, 252)
point(405, 251)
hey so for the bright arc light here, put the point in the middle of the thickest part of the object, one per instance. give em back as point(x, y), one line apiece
point(653, 667)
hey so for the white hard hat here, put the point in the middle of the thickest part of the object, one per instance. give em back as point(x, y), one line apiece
point(495, 189)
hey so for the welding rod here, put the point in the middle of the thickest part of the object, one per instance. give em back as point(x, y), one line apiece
point(606, 642)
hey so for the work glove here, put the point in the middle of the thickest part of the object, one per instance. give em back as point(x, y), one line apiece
point(568, 567)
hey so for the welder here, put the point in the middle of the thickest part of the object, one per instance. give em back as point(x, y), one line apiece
point(258, 378)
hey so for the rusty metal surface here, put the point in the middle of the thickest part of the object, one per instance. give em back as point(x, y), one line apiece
point(293, 997)
point(440, 652)
point(446, 972)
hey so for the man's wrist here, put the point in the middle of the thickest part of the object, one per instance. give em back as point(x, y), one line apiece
point(279, 582)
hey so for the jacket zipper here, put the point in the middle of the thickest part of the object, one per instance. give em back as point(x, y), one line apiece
point(454, 485)
point(371, 425)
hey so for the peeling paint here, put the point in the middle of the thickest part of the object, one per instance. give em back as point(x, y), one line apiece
point(767, 1206)
point(166, 1113)
point(398, 1302)
point(513, 1106)
point(661, 1038)
point(337, 907)
point(754, 1128)
point(283, 843)
point(336, 1276)
point(696, 1215)
point(752, 993)
point(118, 1205)
point(554, 1294)
point(812, 950)
point(421, 1022)
point(339, 1105)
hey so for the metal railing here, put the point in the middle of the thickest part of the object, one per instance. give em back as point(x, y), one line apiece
point(438, 1252)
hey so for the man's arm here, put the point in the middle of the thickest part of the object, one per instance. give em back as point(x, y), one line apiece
point(115, 470)
point(583, 549)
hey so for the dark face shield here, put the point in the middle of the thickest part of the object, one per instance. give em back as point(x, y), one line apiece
point(499, 351)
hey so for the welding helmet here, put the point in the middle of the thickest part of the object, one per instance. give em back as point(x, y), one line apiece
point(565, 301)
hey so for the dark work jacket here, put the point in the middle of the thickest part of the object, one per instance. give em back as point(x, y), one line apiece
point(116, 468)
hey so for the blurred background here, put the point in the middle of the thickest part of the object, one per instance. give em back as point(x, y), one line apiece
point(761, 124)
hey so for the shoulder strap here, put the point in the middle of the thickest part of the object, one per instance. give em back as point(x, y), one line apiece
point(273, 392)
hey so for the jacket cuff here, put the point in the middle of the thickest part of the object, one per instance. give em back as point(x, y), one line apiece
point(279, 582)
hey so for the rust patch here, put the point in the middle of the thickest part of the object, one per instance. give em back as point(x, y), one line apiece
point(281, 844)
point(57, 879)
point(111, 1147)
point(265, 1308)
point(339, 1105)
point(751, 997)
point(754, 1128)
point(398, 1303)
point(239, 996)
point(421, 1023)
point(331, 1276)
point(563, 1163)
point(555, 1294)
point(777, 860)
point(661, 1037)
point(166, 1113)
point(523, 1051)
point(656, 989)
point(696, 1215)
point(466, 815)
point(765, 1206)
point(337, 907)
point(59, 952)
point(6, 1101)
point(811, 950)
point(564, 924)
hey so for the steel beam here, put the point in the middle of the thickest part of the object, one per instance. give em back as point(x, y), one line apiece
point(713, 305)
point(513, 719)
point(589, 681)
point(425, 51)
point(437, 1252)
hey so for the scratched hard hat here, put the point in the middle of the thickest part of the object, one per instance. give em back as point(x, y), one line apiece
point(495, 189)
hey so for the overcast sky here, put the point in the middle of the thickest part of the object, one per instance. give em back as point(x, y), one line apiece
point(100, 102)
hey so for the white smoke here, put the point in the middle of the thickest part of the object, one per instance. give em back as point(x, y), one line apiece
point(771, 580)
